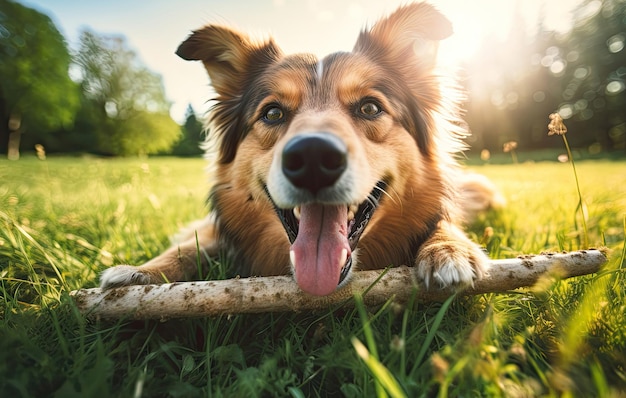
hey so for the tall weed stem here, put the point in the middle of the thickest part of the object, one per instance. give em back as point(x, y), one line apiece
point(557, 127)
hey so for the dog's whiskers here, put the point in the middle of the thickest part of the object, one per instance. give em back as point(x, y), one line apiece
point(394, 196)
point(373, 200)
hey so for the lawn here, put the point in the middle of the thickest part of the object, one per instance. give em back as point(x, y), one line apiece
point(63, 220)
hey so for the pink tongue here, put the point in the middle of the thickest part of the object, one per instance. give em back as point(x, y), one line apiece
point(317, 251)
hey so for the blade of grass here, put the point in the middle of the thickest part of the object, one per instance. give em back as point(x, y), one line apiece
point(431, 333)
point(381, 374)
point(405, 322)
point(369, 338)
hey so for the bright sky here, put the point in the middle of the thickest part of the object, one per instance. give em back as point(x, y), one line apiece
point(155, 28)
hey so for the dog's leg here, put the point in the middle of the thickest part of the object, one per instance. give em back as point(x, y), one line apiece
point(178, 263)
point(449, 258)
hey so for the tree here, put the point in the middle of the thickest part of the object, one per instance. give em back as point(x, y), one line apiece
point(125, 104)
point(594, 83)
point(36, 93)
point(514, 85)
point(192, 131)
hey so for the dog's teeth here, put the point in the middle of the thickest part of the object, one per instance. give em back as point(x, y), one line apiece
point(292, 258)
point(343, 258)
point(296, 212)
point(352, 211)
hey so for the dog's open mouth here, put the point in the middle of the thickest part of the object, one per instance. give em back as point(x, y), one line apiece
point(323, 238)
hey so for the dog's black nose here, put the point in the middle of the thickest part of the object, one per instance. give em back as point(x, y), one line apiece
point(314, 161)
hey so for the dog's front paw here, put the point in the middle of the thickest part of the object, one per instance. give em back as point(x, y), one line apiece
point(448, 260)
point(123, 275)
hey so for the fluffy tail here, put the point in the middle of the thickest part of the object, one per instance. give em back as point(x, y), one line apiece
point(478, 194)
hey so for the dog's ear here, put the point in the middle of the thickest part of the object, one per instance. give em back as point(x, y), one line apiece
point(232, 61)
point(406, 43)
point(411, 33)
point(230, 58)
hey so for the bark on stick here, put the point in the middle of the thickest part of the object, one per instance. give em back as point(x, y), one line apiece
point(281, 294)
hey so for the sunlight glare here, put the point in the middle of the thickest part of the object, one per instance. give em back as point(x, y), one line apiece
point(493, 21)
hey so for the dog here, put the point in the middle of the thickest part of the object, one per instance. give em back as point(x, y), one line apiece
point(329, 165)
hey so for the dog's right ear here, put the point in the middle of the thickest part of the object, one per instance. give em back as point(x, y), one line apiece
point(230, 58)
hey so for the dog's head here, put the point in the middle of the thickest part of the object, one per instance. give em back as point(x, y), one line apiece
point(324, 140)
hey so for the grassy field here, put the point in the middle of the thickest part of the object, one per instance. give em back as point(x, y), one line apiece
point(64, 220)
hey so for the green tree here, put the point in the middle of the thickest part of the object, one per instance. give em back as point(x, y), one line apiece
point(125, 107)
point(594, 83)
point(192, 131)
point(514, 85)
point(36, 93)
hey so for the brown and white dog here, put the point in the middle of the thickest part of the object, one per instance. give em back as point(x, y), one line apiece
point(329, 165)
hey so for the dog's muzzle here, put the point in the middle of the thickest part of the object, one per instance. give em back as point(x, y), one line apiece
point(323, 235)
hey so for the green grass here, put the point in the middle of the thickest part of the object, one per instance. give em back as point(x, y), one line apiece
point(64, 220)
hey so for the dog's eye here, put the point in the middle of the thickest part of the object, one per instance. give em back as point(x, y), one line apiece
point(274, 114)
point(369, 109)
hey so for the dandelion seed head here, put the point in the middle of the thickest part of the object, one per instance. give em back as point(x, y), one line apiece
point(41, 152)
point(439, 366)
point(556, 125)
point(397, 344)
point(509, 146)
point(485, 155)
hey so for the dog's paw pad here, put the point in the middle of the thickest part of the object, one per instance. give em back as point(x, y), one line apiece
point(123, 275)
point(447, 264)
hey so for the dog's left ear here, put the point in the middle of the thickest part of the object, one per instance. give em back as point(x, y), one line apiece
point(230, 58)
point(411, 33)
point(233, 61)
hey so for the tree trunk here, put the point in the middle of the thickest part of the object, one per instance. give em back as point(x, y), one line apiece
point(15, 135)
point(4, 125)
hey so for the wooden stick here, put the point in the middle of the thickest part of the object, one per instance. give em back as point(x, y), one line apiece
point(280, 293)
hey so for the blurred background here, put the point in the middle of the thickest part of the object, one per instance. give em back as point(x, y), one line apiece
point(102, 77)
